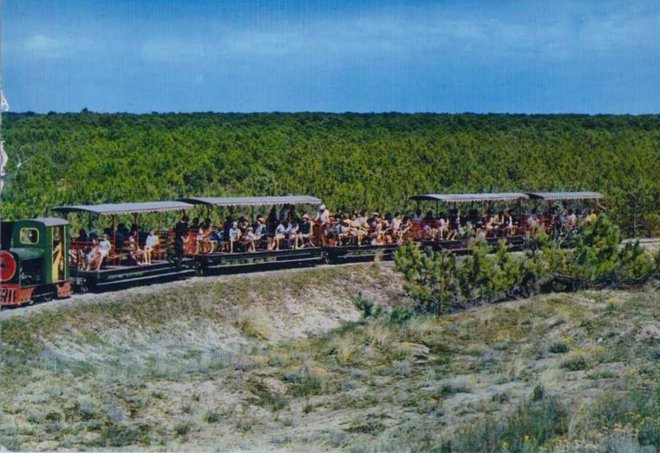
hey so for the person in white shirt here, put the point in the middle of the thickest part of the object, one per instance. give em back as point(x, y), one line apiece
point(149, 246)
point(234, 236)
point(322, 216)
point(280, 233)
point(104, 250)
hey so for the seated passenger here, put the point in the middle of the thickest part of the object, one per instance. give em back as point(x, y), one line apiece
point(571, 220)
point(395, 227)
point(510, 225)
point(418, 217)
point(200, 240)
point(135, 253)
point(429, 231)
point(406, 227)
point(533, 221)
point(376, 230)
point(443, 227)
point(305, 233)
point(104, 251)
point(344, 231)
point(92, 256)
point(292, 233)
point(260, 230)
point(233, 236)
point(280, 233)
point(591, 217)
point(251, 240)
point(149, 246)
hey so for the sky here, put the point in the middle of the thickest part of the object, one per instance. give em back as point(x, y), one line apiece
point(363, 56)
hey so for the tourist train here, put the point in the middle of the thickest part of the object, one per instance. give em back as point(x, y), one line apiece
point(116, 246)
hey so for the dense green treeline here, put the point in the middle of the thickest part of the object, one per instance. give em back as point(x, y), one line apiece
point(349, 160)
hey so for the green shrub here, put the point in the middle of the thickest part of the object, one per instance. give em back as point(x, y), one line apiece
point(439, 282)
point(558, 348)
point(531, 425)
point(575, 363)
point(211, 417)
point(303, 383)
point(182, 428)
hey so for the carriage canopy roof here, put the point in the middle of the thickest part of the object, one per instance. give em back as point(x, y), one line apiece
point(470, 197)
point(253, 201)
point(565, 195)
point(126, 208)
point(50, 221)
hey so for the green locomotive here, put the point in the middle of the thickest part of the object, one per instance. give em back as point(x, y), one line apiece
point(34, 261)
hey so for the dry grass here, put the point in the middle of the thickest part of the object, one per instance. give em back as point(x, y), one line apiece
point(283, 361)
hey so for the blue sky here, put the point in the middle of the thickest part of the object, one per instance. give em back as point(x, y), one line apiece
point(365, 56)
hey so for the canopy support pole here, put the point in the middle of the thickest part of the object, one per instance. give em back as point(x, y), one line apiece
point(114, 231)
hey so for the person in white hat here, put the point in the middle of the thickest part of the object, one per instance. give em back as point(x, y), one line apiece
point(323, 215)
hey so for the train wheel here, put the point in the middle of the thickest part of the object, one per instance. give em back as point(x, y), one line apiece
point(44, 294)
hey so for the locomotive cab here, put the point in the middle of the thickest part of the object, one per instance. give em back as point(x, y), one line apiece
point(33, 261)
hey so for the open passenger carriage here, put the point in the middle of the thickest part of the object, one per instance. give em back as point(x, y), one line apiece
point(112, 258)
point(461, 217)
point(258, 243)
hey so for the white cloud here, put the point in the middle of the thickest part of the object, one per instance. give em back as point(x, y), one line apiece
point(42, 46)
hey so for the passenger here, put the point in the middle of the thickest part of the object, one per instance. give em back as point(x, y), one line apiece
point(429, 231)
point(406, 227)
point(226, 226)
point(92, 257)
point(292, 232)
point(105, 248)
point(443, 227)
point(571, 220)
point(454, 223)
point(285, 213)
point(322, 216)
point(199, 240)
point(344, 231)
point(492, 224)
point(261, 229)
point(305, 232)
point(428, 218)
point(82, 235)
point(418, 216)
point(510, 226)
point(272, 222)
point(591, 217)
point(395, 227)
point(280, 233)
point(233, 236)
point(195, 224)
point(215, 240)
point(180, 237)
point(251, 240)
point(208, 245)
point(135, 253)
point(376, 230)
point(149, 246)
point(533, 221)
point(362, 219)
